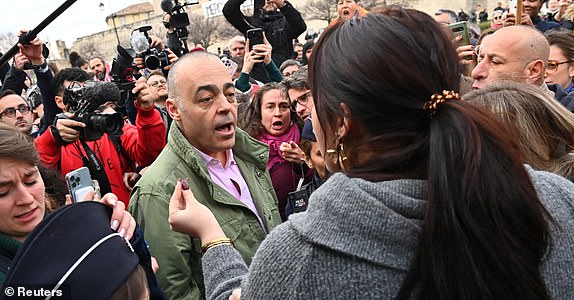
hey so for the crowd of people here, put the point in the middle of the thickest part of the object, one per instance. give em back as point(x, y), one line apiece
point(380, 159)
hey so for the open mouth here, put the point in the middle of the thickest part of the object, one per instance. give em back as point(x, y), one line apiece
point(226, 128)
point(346, 13)
point(277, 125)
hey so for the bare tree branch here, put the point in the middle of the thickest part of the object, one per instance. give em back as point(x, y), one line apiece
point(325, 10)
point(202, 30)
point(89, 49)
point(7, 40)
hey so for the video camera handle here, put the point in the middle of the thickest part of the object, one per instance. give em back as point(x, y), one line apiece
point(26, 38)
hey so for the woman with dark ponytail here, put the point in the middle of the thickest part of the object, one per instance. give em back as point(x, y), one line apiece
point(428, 197)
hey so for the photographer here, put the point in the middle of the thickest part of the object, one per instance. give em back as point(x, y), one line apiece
point(62, 147)
point(151, 54)
point(34, 56)
point(280, 21)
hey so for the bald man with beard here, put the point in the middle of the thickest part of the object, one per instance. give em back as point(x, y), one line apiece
point(516, 53)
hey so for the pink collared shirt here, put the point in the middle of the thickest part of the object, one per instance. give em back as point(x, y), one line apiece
point(229, 178)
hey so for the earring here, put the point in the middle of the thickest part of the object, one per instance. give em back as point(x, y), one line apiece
point(341, 154)
point(337, 155)
point(332, 153)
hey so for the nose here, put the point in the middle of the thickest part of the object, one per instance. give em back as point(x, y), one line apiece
point(23, 196)
point(224, 105)
point(480, 71)
point(300, 109)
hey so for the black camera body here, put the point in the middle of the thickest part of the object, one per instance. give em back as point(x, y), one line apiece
point(84, 103)
point(154, 58)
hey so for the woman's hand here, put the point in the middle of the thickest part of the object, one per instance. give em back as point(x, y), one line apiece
point(465, 53)
point(187, 215)
point(121, 221)
point(291, 152)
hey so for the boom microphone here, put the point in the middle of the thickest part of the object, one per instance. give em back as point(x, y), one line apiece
point(167, 6)
point(101, 93)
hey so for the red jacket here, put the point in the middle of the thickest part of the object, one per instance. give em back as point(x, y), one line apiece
point(142, 143)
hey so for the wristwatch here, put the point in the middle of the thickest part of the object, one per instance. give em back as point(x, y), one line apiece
point(42, 68)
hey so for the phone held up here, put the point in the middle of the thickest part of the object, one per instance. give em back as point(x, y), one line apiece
point(512, 5)
point(80, 183)
point(460, 29)
point(255, 37)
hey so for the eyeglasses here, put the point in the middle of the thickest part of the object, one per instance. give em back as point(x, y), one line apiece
point(10, 112)
point(303, 98)
point(552, 65)
point(497, 17)
point(157, 83)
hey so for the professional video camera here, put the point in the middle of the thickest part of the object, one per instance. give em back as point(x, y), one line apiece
point(153, 58)
point(85, 101)
point(179, 19)
point(122, 72)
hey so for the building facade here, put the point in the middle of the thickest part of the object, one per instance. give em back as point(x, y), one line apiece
point(150, 13)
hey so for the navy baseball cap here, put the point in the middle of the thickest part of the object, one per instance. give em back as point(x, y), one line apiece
point(75, 250)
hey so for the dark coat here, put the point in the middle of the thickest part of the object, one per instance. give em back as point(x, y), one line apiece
point(280, 28)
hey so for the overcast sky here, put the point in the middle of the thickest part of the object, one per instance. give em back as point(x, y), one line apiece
point(82, 18)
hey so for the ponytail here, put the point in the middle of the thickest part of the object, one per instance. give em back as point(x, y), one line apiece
point(485, 230)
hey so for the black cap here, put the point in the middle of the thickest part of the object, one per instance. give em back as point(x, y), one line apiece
point(307, 132)
point(60, 241)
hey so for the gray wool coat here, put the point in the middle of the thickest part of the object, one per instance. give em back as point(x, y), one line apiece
point(357, 240)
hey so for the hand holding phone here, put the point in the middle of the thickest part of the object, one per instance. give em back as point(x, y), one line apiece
point(79, 184)
point(255, 37)
point(460, 29)
point(512, 7)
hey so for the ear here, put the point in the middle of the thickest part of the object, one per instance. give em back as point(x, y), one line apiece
point(571, 71)
point(60, 102)
point(535, 71)
point(173, 109)
point(344, 123)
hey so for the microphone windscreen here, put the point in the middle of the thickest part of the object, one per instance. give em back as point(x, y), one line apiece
point(166, 5)
point(102, 92)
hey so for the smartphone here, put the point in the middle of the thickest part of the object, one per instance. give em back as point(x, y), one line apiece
point(255, 37)
point(460, 29)
point(79, 183)
point(512, 7)
point(230, 65)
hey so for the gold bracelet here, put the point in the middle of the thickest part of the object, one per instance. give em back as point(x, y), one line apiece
point(214, 243)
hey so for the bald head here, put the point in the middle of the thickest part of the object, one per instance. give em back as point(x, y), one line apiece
point(186, 62)
point(515, 53)
point(527, 42)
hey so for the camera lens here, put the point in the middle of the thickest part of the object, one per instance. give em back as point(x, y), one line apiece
point(151, 62)
point(108, 123)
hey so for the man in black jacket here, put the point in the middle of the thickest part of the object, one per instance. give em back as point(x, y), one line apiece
point(280, 21)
